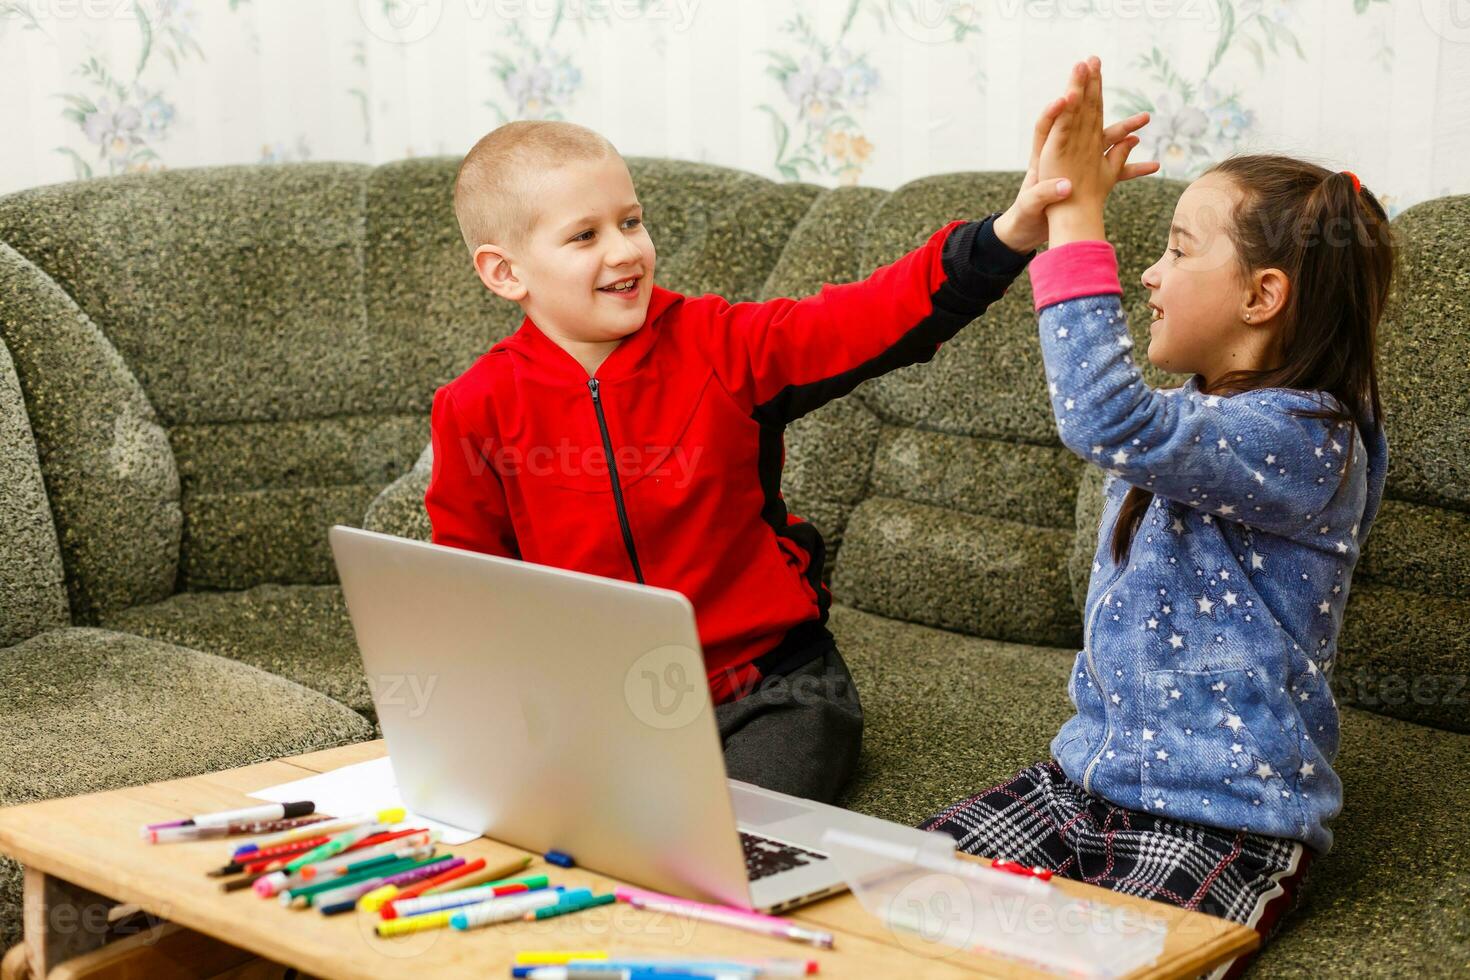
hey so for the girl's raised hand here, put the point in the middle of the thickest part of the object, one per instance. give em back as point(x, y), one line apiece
point(1023, 227)
point(1074, 150)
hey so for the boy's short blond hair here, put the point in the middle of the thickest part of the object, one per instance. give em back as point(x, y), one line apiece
point(494, 190)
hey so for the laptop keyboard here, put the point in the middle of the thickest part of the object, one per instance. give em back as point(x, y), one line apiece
point(765, 857)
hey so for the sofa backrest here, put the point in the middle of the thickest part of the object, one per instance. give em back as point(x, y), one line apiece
point(235, 299)
point(1405, 644)
point(32, 584)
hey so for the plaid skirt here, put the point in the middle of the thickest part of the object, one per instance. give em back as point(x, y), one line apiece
point(1040, 817)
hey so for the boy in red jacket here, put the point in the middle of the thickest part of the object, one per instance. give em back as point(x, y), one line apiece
point(631, 432)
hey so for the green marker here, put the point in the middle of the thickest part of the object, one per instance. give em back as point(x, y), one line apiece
point(305, 892)
point(575, 905)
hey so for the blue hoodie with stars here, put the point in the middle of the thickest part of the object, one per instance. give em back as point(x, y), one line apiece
point(1202, 687)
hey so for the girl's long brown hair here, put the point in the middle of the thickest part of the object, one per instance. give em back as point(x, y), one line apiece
point(1336, 248)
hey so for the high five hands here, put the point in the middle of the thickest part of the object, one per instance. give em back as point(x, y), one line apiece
point(1075, 163)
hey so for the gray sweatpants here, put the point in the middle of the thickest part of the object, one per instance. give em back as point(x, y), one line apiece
point(799, 732)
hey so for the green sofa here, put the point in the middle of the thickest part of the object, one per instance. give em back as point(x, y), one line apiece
point(204, 369)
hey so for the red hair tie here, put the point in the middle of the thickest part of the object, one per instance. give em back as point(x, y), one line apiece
point(1357, 184)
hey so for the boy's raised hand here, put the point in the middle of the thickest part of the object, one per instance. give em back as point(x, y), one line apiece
point(1023, 226)
point(1074, 151)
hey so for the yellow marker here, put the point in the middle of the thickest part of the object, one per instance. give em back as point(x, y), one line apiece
point(415, 923)
point(377, 898)
point(557, 957)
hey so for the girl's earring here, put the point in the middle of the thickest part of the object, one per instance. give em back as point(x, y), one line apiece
point(1247, 318)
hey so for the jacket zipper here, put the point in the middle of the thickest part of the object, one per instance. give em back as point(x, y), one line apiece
point(1097, 679)
point(612, 472)
point(1092, 668)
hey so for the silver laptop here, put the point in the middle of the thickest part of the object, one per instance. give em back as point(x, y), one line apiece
point(555, 710)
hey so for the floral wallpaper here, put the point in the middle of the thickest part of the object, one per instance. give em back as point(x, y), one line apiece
point(827, 91)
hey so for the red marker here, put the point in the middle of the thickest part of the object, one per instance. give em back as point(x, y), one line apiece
point(1035, 871)
point(414, 891)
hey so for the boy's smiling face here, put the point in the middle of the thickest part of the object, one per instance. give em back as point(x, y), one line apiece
point(588, 236)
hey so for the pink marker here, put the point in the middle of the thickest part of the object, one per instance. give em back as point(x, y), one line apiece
point(768, 925)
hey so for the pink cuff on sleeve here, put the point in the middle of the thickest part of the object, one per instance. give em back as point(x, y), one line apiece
point(1085, 268)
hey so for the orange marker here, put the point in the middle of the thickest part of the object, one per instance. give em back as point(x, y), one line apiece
point(414, 891)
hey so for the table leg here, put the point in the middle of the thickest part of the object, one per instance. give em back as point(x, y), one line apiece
point(61, 920)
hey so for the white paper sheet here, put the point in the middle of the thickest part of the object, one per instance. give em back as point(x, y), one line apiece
point(361, 788)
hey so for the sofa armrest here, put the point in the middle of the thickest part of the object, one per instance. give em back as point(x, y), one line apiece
point(399, 509)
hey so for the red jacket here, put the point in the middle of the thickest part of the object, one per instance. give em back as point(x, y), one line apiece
point(691, 409)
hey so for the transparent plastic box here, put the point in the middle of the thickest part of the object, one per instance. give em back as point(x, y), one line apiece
point(939, 905)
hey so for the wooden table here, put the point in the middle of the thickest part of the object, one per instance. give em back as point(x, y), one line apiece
point(83, 855)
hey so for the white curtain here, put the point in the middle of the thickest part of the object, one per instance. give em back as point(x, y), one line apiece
point(876, 92)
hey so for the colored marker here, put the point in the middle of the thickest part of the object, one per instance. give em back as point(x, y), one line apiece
point(414, 891)
point(390, 816)
point(484, 876)
point(172, 835)
point(374, 899)
point(566, 907)
point(305, 895)
point(582, 973)
point(251, 814)
point(560, 858)
point(400, 907)
point(558, 957)
point(768, 925)
point(345, 898)
point(268, 855)
point(597, 959)
point(358, 853)
point(336, 845)
point(511, 908)
point(416, 923)
point(279, 881)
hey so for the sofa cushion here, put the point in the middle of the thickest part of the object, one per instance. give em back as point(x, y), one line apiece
point(301, 633)
point(399, 510)
point(949, 715)
point(113, 488)
point(32, 583)
point(1392, 897)
point(943, 712)
point(86, 709)
point(986, 576)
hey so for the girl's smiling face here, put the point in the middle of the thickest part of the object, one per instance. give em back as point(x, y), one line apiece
point(1208, 317)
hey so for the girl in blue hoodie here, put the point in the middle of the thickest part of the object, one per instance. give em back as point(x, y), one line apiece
point(1198, 767)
